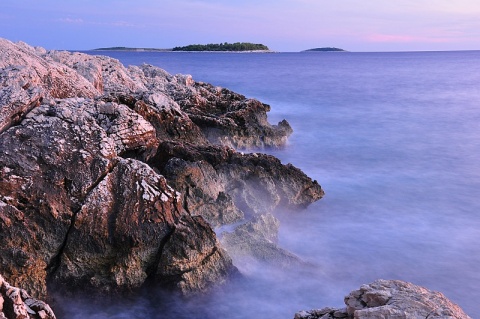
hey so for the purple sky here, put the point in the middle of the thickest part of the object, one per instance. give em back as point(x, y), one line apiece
point(283, 25)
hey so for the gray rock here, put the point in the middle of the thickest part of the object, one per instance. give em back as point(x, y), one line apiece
point(391, 299)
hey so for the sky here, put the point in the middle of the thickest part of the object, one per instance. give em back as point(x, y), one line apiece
point(282, 25)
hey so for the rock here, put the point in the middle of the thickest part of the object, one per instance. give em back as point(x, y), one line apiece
point(164, 114)
point(104, 73)
point(110, 217)
point(223, 116)
point(112, 177)
point(228, 118)
point(16, 303)
point(191, 247)
point(257, 183)
point(258, 239)
point(391, 299)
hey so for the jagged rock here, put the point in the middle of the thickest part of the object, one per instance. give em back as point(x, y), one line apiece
point(109, 179)
point(16, 303)
point(257, 183)
point(104, 73)
point(228, 118)
point(27, 78)
point(119, 241)
point(223, 116)
point(48, 165)
point(391, 299)
point(132, 134)
point(258, 238)
point(107, 219)
point(204, 193)
point(170, 122)
point(192, 246)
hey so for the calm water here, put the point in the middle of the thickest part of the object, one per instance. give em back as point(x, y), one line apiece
point(394, 139)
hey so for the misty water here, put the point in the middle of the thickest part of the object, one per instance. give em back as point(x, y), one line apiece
point(393, 138)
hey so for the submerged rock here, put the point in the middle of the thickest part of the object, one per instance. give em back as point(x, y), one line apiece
point(112, 177)
point(258, 239)
point(390, 299)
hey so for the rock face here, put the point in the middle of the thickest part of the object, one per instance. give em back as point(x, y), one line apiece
point(391, 299)
point(113, 177)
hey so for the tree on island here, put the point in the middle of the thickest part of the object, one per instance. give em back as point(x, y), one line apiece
point(237, 46)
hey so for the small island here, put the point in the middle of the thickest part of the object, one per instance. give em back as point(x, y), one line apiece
point(326, 49)
point(230, 47)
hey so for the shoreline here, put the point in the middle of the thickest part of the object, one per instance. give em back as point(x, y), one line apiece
point(167, 51)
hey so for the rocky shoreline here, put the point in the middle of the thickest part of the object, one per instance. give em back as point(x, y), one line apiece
point(113, 178)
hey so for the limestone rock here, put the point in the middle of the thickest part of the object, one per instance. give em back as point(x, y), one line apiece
point(96, 221)
point(16, 303)
point(112, 177)
point(56, 78)
point(104, 73)
point(223, 116)
point(164, 114)
point(257, 183)
point(192, 246)
point(385, 299)
point(228, 118)
point(48, 165)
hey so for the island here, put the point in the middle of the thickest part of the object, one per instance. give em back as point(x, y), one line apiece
point(225, 47)
point(326, 49)
point(237, 46)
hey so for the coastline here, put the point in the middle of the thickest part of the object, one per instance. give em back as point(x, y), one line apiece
point(56, 112)
point(169, 50)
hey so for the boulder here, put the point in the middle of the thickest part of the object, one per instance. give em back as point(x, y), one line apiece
point(390, 299)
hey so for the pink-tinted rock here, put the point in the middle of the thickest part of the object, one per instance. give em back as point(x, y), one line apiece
point(112, 177)
point(391, 299)
point(16, 303)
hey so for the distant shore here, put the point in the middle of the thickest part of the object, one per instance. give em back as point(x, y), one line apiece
point(170, 50)
point(212, 47)
point(133, 49)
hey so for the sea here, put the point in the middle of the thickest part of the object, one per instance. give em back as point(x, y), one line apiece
point(394, 140)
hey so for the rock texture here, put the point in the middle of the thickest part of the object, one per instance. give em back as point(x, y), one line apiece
point(113, 177)
point(390, 299)
point(16, 303)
